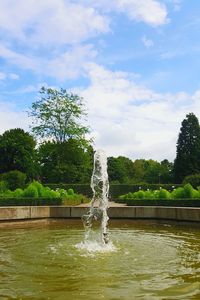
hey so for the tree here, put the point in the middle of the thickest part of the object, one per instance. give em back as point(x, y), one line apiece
point(17, 152)
point(139, 169)
point(120, 169)
point(166, 171)
point(57, 115)
point(187, 160)
point(67, 162)
point(151, 171)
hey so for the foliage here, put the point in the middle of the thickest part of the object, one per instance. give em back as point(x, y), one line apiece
point(3, 186)
point(120, 169)
point(123, 170)
point(70, 192)
point(151, 171)
point(18, 193)
point(187, 160)
point(57, 115)
point(194, 180)
point(14, 179)
point(35, 190)
point(22, 201)
point(163, 194)
point(161, 202)
point(115, 190)
point(70, 161)
point(186, 192)
point(17, 152)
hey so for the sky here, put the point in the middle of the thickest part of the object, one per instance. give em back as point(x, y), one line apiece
point(135, 63)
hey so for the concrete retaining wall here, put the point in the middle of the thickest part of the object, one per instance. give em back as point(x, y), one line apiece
point(126, 212)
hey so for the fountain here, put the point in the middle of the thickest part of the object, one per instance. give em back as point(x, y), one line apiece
point(147, 260)
point(99, 202)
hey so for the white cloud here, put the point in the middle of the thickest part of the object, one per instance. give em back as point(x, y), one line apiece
point(2, 76)
point(50, 22)
point(176, 4)
point(149, 11)
point(62, 27)
point(69, 64)
point(13, 76)
point(11, 118)
point(147, 42)
point(21, 60)
point(129, 119)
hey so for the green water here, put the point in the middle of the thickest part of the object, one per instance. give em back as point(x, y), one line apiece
point(147, 261)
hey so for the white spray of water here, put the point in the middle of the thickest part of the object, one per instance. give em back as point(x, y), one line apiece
point(99, 203)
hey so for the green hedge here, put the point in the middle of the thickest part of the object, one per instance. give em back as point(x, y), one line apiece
point(161, 202)
point(115, 189)
point(7, 201)
point(83, 189)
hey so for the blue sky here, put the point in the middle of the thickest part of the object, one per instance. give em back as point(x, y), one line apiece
point(136, 63)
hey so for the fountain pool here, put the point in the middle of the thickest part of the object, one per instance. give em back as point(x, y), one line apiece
point(144, 260)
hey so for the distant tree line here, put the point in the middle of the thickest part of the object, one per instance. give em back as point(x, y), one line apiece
point(64, 154)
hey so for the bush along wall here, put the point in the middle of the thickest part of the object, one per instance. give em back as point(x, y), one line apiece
point(115, 189)
point(181, 196)
point(161, 202)
point(20, 201)
point(36, 194)
point(83, 189)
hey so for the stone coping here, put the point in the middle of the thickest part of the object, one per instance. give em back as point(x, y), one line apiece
point(13, 213)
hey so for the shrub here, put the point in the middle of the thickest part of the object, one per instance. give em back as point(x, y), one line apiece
point(115, 190)
point(70, 192)
point(8, 193)
point(188, 189)
point(63, 193)
point(18, 193)
point(129, 196)
point(10, 201)
point(75, 199)
point(31, 191)
point(163, 194)
point(3, 186)
point(186, 192)
point(15, 179)
point(149, 195)
point(39, 187)
point(48, 193)
point(178, 193)
point(194, 180)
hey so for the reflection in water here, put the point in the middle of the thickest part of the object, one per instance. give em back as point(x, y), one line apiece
point(146, 261)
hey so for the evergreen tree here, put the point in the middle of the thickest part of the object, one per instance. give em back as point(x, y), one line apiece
point(187, 160)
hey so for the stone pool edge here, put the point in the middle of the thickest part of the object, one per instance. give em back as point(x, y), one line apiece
point(14, 213)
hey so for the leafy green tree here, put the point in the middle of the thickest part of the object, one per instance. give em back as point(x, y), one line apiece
point(14, 179)
point(194, 180)
point(139, 169)
point(166, 171)
point(151, 171)
point(17, 152)
point(67, 162)
point(120, 169)
point(57, 115)
point(187, 160)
